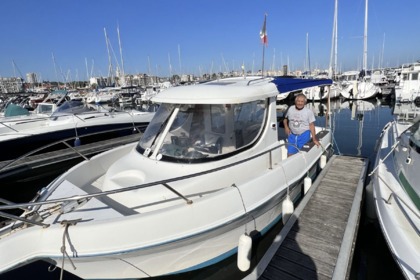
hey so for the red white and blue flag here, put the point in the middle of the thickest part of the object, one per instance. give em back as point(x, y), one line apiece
point(263, 32)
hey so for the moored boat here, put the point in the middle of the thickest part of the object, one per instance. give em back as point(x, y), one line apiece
point(396, 192)
point(209, 169)
point(354, 86)
point(84, 124)
point(408, 88)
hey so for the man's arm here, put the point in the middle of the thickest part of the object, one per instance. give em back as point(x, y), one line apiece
point(286, 126)
point(312, 129)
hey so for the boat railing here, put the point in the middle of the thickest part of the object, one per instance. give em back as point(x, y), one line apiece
point(9, 123)
point(398, 199)
point(256, 80)
point(136, 129)
point(34, 205)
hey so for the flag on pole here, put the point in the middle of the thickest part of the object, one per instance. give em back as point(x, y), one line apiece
point(263, 32)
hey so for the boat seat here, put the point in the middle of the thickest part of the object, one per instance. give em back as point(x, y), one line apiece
point(211, 148)
point(311, 143)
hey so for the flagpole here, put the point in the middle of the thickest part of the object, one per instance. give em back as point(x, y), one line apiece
point(264, 40)
point(263, 56)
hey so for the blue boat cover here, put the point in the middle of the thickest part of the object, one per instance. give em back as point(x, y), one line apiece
point(288, 84)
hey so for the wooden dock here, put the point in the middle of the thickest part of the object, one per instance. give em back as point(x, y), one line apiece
point(318, 240)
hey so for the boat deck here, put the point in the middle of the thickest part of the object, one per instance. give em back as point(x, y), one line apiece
point(318, 240)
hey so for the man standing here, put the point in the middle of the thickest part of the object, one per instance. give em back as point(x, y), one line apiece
point(299, 124)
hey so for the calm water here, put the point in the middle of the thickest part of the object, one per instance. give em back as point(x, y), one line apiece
point(356, 126)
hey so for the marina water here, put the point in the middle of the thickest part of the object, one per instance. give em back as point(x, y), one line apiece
point(356, 126)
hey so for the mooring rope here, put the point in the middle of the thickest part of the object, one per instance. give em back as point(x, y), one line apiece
point(63, 246)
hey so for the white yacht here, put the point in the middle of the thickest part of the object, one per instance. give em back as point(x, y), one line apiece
point(408, 89)
point(71, 120)
point(396, 192)
point(209, 174)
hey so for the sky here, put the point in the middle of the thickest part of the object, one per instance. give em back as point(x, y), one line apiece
point(65, 39)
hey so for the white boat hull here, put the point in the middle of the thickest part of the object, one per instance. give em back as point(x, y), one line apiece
point(171, 244)
point(359, 90)
point(396, 208)
point(209, 168)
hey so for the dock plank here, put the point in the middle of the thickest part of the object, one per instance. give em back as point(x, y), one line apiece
point(318, 240)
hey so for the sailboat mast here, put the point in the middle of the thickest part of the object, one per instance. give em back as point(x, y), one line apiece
point(308, 58)
point(121, 55)
point(170, 65)
point(365, 38)
point(382, 53)
point(179, 59)
point(55, 67)
point(336, 37)
point(109, 57)
point(333, 55)
point(87, 69)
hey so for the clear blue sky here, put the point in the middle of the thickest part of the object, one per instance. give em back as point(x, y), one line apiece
point(199, 36)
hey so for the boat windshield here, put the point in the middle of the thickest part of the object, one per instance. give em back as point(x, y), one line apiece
point(189, 132)
point(73, 107)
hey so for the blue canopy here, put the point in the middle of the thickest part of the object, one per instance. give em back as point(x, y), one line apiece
point(288, 84)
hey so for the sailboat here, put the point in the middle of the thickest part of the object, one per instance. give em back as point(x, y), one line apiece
point(359, 86)
point(322, 93)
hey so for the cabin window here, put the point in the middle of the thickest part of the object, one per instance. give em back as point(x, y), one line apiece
point(414, 76)
point(156, 126)
point(200, 132)
point(217, 118)
point(404, 76)
point(249, 119)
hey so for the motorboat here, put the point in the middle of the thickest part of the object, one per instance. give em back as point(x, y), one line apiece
point(408, 88)
point(128, 95)
point(104, 95)
point(396, 192)
point(71, 120)
point(406, 110)
point(210, 169)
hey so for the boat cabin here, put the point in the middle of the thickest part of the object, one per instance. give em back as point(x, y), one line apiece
point(197, 131)
point(200, 123)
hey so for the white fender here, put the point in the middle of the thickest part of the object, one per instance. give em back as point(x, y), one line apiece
point(370, 203)
point(287, 209)
point(307, 183)
point(244, 252)
point(323, 161)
